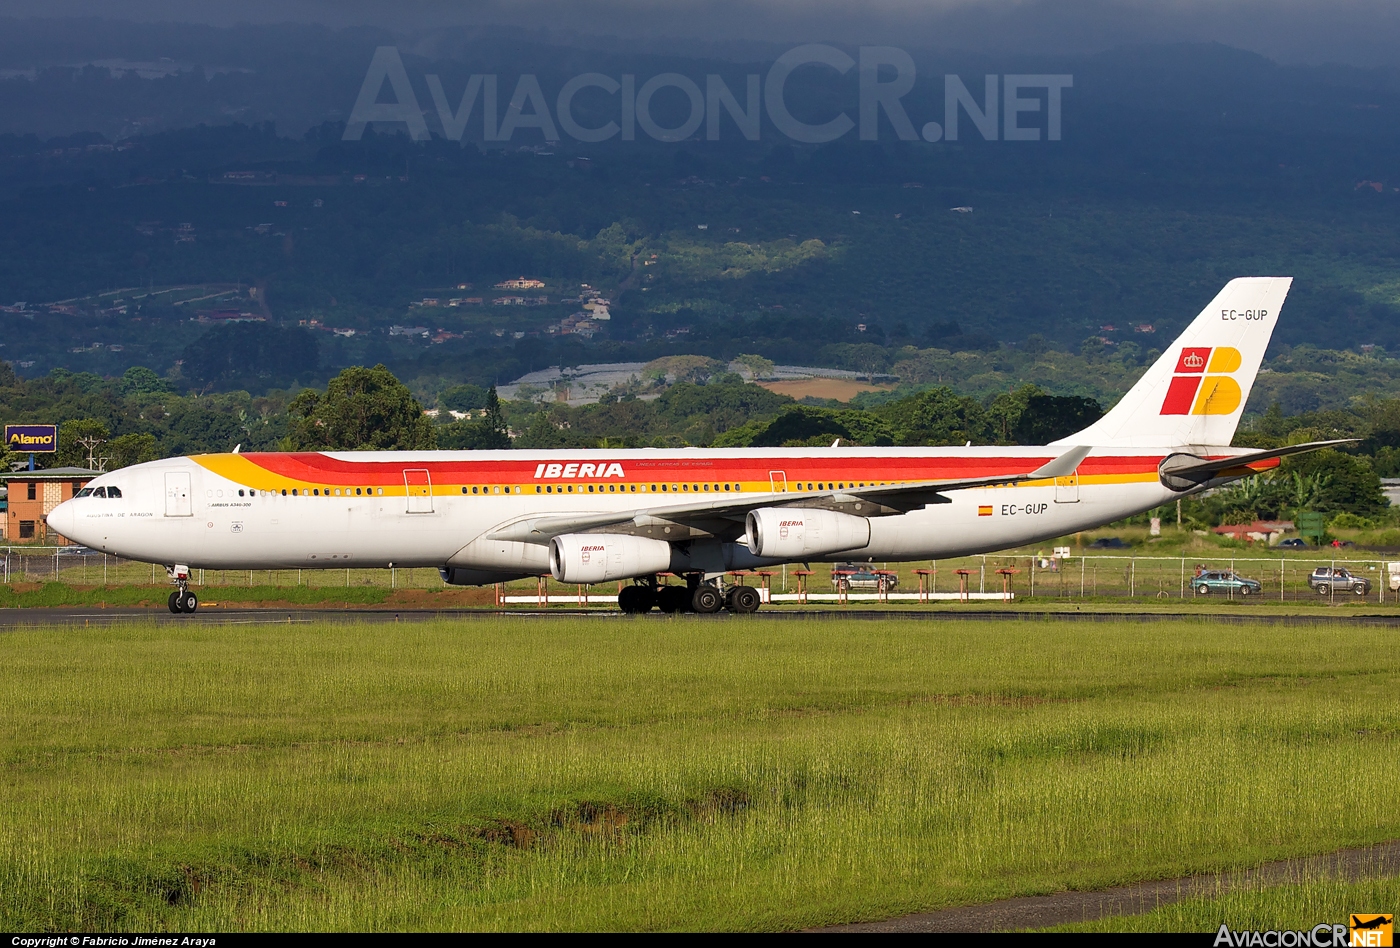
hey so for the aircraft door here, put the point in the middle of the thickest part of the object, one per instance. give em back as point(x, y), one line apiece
point(420, 490)
point(1067, 489)
point(177, 494)
point(777, 480)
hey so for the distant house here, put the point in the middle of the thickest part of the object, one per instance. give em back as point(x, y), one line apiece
point(1144, 327)
point(32, 494)
point(520, 283)
point(508, 301)
point(1267, 531)
point(409, 330)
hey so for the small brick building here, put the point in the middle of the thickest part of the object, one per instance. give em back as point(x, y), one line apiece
point(32, 494)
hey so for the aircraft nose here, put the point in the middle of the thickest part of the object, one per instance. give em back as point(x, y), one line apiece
point(62, 519)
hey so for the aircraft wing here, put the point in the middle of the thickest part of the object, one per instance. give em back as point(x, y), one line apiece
point(1184, 471)
point(724, 515)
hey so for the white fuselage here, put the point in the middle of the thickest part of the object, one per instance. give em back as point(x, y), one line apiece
point(440, 508)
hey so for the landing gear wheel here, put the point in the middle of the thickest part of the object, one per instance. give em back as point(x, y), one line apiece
point(672, 599)
point(706, 599)
point(174, 602)
point(635, 600)
point(743, 600)
point(189, 602)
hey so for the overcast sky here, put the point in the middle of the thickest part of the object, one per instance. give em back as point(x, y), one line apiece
point(1360, 32)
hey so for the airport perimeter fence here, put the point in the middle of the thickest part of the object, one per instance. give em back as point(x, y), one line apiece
point(1281, 577)
point(61, 564)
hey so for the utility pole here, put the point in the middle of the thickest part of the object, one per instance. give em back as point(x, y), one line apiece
point(95, 464)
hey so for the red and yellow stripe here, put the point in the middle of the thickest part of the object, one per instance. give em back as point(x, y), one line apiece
point(313, 471)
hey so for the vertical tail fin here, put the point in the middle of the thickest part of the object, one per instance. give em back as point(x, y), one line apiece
point(1195, 393)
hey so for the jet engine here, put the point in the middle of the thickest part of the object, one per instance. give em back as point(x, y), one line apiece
point(598, 557)
point(795, 533)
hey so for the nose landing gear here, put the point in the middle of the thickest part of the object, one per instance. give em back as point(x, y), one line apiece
point(181, 600)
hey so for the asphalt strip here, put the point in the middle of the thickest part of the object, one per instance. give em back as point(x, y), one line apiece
point(218, 615)
point(1063, 908)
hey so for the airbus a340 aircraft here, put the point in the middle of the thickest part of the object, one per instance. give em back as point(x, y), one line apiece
point(590, 516)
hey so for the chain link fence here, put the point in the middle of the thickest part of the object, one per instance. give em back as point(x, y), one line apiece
point(33, 564)
point(1283, 577)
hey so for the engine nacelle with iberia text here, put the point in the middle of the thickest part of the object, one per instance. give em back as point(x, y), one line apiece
point(599, 557)
point(794, 533)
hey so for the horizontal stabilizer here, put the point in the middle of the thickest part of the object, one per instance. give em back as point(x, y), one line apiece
point(1185, 471)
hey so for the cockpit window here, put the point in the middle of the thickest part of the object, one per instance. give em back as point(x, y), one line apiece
point(85, 492)
point(113, 490)
point(99, 492)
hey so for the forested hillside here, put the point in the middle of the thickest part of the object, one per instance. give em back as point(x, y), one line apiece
point(192, 260)
point(1179, 168)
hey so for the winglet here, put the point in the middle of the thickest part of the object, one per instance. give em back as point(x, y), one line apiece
point(1063, 466)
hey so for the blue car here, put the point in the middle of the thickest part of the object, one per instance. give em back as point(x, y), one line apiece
point(1225, 581)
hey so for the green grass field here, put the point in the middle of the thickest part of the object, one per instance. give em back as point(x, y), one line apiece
point(503, 772)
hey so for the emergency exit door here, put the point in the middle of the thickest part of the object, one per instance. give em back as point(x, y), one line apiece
point(177, 494)
point(777, 480)
point(419, 486)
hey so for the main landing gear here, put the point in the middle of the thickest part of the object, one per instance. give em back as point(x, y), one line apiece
point(695, 596)
point(181, 600)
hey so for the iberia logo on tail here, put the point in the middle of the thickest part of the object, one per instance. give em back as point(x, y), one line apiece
point(1202, 384)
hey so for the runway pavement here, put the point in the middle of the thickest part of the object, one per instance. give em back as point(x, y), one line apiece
point(1063, 908)
point(88, 615)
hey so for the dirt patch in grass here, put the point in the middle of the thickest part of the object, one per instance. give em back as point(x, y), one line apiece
point(843, 390)
point(121, 890)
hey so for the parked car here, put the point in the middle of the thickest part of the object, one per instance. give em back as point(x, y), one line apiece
point(848, 576)
point(1225, 581)
point(1325, 579)
point(1293, 543)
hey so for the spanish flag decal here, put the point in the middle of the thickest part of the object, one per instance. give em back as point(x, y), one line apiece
point(984, 510)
